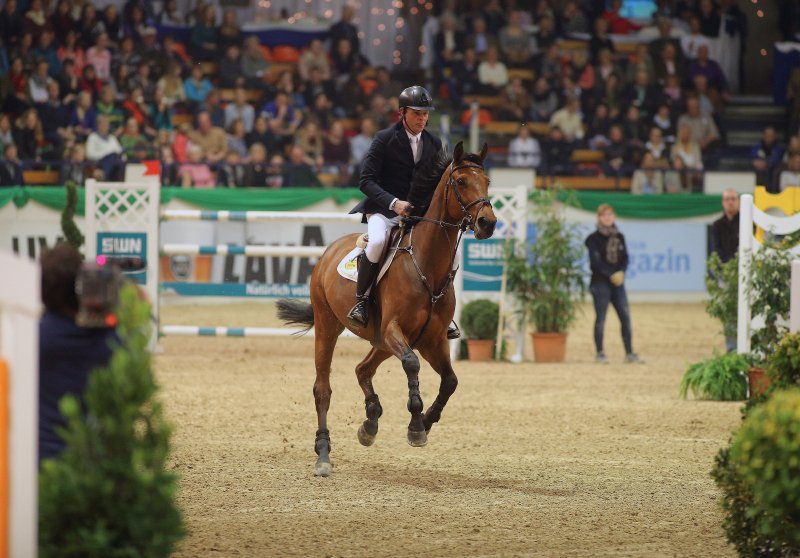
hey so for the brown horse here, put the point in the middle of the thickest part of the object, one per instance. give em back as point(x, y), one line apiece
point(415, 301)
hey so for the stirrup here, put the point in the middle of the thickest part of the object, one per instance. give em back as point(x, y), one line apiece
point(453, 332)
point(359, 314)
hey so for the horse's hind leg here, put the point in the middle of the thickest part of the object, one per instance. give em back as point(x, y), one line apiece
point(439, 358)
point(396, 342)
point(326, 332)
point(365, 371)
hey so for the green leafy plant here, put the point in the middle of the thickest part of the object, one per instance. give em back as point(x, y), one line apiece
point(766, 452)
point(546, 276)
point(721, 378)
point(110, 494)
point(767, 280)
point(71, 231)
point(479, 319)
point(722, 285)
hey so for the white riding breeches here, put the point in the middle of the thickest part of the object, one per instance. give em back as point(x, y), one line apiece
point(378, 228)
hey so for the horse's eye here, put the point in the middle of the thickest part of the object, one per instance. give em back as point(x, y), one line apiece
point(460, 181)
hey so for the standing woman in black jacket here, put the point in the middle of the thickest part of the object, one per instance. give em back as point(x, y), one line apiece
point(608, 258)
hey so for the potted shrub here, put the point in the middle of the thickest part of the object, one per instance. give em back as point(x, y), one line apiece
point(547, 278)
point(479, 320)
point(719, 378)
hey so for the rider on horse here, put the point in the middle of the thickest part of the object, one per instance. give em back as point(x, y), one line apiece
point(386, 176)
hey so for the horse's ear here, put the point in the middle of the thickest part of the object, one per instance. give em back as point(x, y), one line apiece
point(484, 151)
point(458, 152)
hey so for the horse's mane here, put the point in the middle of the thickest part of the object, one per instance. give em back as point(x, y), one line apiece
point(427, 176)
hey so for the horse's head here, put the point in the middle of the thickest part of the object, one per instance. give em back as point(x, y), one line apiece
point(470, 185)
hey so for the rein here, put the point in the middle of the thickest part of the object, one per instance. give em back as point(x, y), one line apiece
point(465, 223)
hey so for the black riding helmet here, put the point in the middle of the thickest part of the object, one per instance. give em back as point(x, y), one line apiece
point(416, 97)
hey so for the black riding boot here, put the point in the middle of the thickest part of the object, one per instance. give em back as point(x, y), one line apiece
point(359, 315)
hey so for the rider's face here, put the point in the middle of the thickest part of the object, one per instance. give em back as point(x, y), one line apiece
point(416, 120)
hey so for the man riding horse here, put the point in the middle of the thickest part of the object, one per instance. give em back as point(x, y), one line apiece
point(386, 175)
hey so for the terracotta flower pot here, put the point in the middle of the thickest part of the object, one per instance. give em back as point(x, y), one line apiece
point(480, 349)
point(549, 347)
point(758, 381)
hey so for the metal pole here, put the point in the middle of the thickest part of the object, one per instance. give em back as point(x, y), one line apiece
point(794, 305)
point(474, 129)
point(745, 253)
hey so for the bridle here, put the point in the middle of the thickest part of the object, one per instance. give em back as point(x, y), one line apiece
point(467, 222)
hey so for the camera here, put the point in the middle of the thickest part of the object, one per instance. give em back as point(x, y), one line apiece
point(97, 286)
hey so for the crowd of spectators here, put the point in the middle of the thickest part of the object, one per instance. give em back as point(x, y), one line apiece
point(89, 89)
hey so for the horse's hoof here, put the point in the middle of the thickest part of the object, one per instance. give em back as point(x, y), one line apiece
point(323, 469)
point(417, 439)
point(365, 437)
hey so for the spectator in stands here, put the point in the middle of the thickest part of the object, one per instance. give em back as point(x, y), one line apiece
point(583, 74)
point(640, 61)
point(131, 137)
point(204, 38)
point(494, 16)
point(314, 57)
point(134, 106)
point(709, 100)
point(617, 24)
point(74, 168)
point(99, 56)
point(600, 39)
point(261, 133)
point(605, 66)
point(544, 101)
point(197, 86)
point(210, 138)
point(704, 66)
point(171, 85)
point(240, 109)
point(89, 25)
point(24, 50)
point(336, 152)
point(316, 86)
point(346, 62)
point(667, 64)
point(37, 83)
point(35, 21)
point(663, 119)
point(516, 45)
point(657, 148)
point(569, 120)
point(256, 171)
point(120, 82)
point(231, 171)
point(546, 35)
point(492, 73)
point(449, 43)
point(765, 156)
point(195, 173)
point(618, 160)
point(359, 145)
point(515, 102)
point(55, 117)
point(709, 19)
point(790, 178)
point(344, 30)
point(524, 150)
point(141, 79)
point(465, 79)
point(647, 179)
point(550, 65)
point(642, 95)
point(107, 106)
point(309, 139)
point(666, 35)
point(599, 127)
point(480, 40)
point(296, 172)
point(46, 50)
point(275, 171)
point(254, 64)
point(169, 168)
point(29, 136)
point(573, 19)
point(169, 15)
point(126, 55)
point(284, 118)
point(115, 28)
point(229, 32)
point(11, 167)
point(69, 82)
point(11, 23)
point(103, 149)
point(703, 129)
point(636, 131)
point(83, 117)
point(686, 158)
point(236, 138)
point(286, 84)
point(6, 133)
point(691, 42)
point(229, 72)
point(556, 153)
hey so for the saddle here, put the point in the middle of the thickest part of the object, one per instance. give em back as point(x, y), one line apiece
point(348, 266)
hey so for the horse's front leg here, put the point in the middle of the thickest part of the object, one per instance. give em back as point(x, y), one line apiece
point(365, 371)
point(398, 345)
point(438, 355)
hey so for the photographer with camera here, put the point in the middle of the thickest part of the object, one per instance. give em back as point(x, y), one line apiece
point(76, 334)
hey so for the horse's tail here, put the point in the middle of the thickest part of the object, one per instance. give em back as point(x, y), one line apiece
point(294, 312)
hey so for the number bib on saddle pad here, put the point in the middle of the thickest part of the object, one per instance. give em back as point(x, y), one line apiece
point(348, 267)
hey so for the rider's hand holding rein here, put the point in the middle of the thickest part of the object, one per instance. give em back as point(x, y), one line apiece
point(402, 208)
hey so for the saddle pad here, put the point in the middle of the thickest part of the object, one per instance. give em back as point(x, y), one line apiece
point(348, 267)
